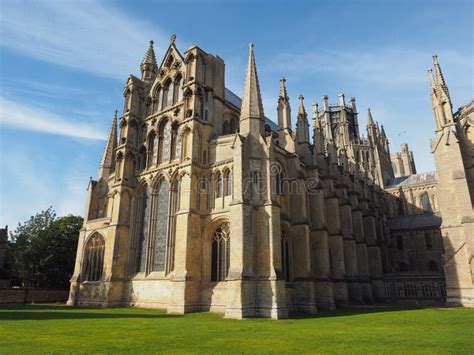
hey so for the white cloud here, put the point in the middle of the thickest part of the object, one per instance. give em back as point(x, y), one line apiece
point(30, 118)
point(91, 36)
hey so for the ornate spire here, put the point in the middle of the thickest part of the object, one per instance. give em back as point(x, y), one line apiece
point(283, 93)
point(440, 78)
point(150, 55)
point(302, 125)
point(370, 120)
point(431, 78)
point(107, 163)
point(301, 109)
point(252, 107)
point(149, 66)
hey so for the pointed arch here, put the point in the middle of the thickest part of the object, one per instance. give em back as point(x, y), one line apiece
point(141, 228)
point(220, 252)
point(152, 149)
point(159, 223)
point(94, 257)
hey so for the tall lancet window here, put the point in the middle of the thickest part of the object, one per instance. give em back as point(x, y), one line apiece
point(219, 185)
point(152, 149)
point(220, 253)
point(286, 255)
point(157, 99)
point(94, 258)
point(174, 141)
point(160, 223)
point(142, 224)
point(178, 89)
point(228, 183)
point(167, 97)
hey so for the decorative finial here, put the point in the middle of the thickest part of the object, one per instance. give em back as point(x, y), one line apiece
point(151, 43)
point(283, 80)
point(115, 114)
point(173, 38)
point(251, 46)
point(301, 98)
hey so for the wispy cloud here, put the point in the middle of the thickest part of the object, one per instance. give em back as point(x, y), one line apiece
point(387, 67)
point(16, 115)
point(91, 36)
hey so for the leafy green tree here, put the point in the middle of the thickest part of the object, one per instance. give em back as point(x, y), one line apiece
point(43, 250)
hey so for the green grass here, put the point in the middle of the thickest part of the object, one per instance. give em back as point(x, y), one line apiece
point(60, 329)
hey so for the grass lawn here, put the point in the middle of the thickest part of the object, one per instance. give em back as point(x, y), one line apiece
point(59, 329)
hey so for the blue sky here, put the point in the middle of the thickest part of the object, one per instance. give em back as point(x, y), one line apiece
point(63, 65)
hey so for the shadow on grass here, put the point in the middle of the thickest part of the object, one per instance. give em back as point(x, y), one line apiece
point(53, 312)
point(346, 312)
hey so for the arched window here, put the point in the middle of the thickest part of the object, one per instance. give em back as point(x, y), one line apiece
point(220, 253)
point(94, 258)
point(152, 149)
point(178, 89)
point(141, 165)
point(142, 228)
point(219, 184)
point(428, 241)
point(225, 127)
point(157, 99)
point(167, 95)
point(400, 245)
point(189, 62)
point(163, 149)
point(425, 203)
point(174, 141)
point(228, 183)
point(285, 255)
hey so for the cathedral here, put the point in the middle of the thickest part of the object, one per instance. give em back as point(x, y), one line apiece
point(204, 204)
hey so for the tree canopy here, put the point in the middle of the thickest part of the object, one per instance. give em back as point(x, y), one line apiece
point(43, 249)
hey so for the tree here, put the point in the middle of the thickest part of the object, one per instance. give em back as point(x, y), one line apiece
point(43, 250)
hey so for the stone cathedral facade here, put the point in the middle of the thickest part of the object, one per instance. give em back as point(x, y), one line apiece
point(204, 204)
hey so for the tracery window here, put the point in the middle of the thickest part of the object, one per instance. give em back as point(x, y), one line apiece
point(160, 223)
point(285, 255)
point(94, 258)
point(220, 253)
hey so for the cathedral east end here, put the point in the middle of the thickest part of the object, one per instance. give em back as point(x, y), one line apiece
point(204, 204)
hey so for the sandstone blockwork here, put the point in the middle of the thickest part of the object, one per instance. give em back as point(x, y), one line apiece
point(204, 204)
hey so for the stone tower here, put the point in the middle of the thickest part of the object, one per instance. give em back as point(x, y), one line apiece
point(454, 161)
